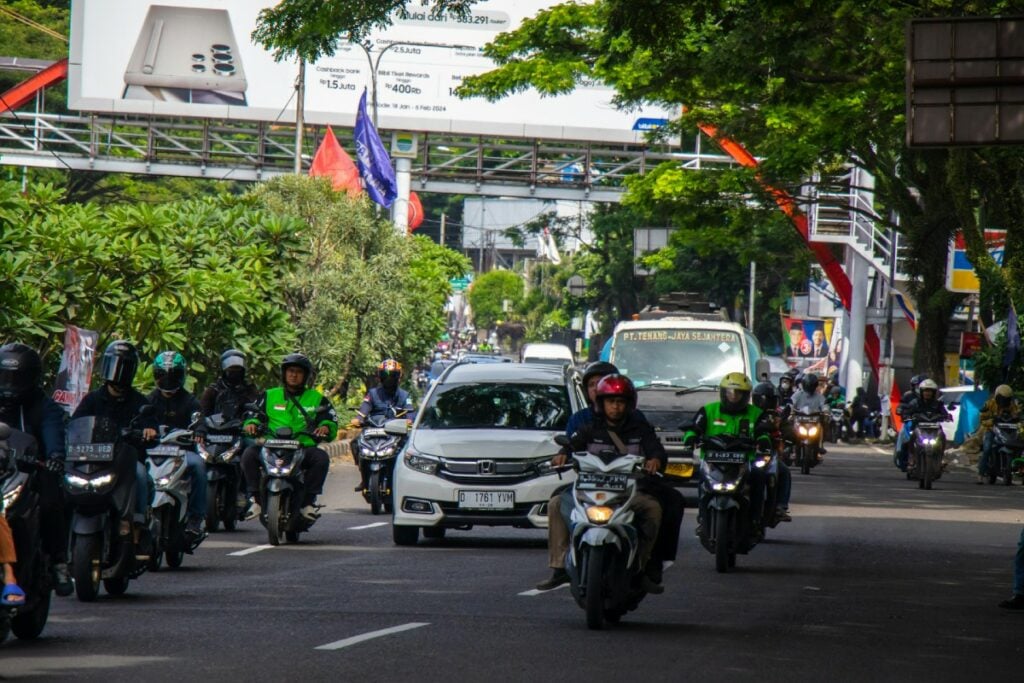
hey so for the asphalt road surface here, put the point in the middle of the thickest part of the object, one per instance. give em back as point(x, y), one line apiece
point(874, 580)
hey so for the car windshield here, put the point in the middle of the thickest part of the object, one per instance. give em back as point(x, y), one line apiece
point(677, 358)
point(497, 406)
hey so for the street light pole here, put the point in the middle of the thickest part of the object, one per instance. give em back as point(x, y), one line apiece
point(300, 113)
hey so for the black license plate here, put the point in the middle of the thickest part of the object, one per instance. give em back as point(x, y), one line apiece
point(164, 451)
point(91, 451)
point(726, 457)
point(599, 481)
point(281, 443)
point(220, 438)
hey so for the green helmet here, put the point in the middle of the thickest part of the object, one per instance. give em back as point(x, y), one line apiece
point(169, 370)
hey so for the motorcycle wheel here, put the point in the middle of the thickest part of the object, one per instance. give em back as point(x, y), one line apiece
point(230, 511)
point(805, 464)
point(723, 541)
point(594, 599)
point(926, 472)
point(85, 567)
point(214, 505)
point(276, 505)
point(291, 536)
point(376, 499)
point(116, 586)
point(1007, 472)
point(175, 556)
point(29, 625)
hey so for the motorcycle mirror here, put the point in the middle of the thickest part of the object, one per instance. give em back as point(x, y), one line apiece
point(396, 427)
point(562, 440)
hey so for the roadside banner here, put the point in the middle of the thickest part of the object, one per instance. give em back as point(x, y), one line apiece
point(72, 382)
point(373, 160)
point(807, 343)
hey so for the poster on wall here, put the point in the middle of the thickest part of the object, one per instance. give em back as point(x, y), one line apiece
point(196, 58)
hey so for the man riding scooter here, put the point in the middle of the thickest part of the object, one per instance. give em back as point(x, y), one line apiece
point(387, 400)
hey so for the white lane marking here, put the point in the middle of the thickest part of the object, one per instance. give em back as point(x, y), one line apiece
point(250, 551)
point(534, 591)
point(338, 644)
point(368, 526)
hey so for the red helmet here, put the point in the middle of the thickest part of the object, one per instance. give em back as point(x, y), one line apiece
point(617, 385)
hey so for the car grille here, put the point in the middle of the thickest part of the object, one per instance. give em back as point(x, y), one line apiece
point(487, 472)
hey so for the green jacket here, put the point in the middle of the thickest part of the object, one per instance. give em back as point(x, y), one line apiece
point(282, 411)
point(711, 421)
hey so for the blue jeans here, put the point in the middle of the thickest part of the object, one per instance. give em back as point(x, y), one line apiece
point(903, 445)
point(1018, 567)
point(197, 472)
point(986, 453)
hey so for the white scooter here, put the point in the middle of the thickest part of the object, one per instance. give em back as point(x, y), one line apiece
point(168, 467)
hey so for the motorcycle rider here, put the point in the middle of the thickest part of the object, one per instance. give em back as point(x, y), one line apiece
point(24, 406)
point(786, 385)
point(764, 397)
point(926, 403)
point(1001, 402)
point(901, 453)
point(173, 407)
point(809, 398)
point(121, 403)
point(387, 398)
point(733, 414)
point(616, 426)
point(292, 405)
point(232, 391)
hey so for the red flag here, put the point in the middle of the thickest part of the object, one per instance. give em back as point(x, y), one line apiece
point(333, 161)
point(415, 211)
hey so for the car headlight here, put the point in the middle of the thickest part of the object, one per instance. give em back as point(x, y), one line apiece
point(599, 514)
point(12, 496)
point(421, 463)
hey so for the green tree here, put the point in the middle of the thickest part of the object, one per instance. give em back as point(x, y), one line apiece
point(488, 296)
point(805, 86)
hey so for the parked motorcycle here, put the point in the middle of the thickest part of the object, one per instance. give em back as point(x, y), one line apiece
point(377, 451)
point(222, 450)
point(807, 433)
point(282, 485)
point(602, 562)
point(928, 446)
point(727, 526)
point(18, 468)
point(1007, 446)
point(168, 467)
point(100, 484)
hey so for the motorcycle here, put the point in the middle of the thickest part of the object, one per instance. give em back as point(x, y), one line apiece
point(168, 467)
point(18, 468)
point(1007, 446)
point(602, 562)
point(807, 429)
point(727, 527)
point(222, 450)
point(99, 478)
point(928, 444)
point(377, 451)
point(837, 425)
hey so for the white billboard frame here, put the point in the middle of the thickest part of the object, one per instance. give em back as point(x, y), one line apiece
point(166, 54)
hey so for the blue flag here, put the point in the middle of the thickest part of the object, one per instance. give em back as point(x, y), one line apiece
point(373, 160)
point(1012, 339)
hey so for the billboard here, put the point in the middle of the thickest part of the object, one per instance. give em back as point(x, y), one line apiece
point(960, 275)
point(195, 58)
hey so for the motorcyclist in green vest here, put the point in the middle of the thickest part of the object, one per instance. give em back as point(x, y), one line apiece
point(306, 412)
point(734, 415)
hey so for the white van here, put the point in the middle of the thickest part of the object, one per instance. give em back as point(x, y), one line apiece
point(549, 354)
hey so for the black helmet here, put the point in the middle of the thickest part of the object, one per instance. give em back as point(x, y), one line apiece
point(916, 380)
point(297, 360)
point(232, 366)
point(20, 370)
point(389, 372)
point(169, 370)
point(764, 396)
point(599, 368)
point(120, 361)
point(810, 383)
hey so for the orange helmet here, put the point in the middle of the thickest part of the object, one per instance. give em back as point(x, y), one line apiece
point(389, 369)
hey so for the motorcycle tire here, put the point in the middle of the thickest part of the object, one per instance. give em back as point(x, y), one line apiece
point(175, 555)
point(29, 625)
point(214, 505)
point(1007, 473)
point(276, 505)
point(594, 596)
point(291, 536)
point(805, 463)
point(926, 472)
point(116, 586)
point(85, 566)
point(723, 541)
point(376, 496)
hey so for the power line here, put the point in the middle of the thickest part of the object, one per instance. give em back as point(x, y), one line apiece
point(34, 24)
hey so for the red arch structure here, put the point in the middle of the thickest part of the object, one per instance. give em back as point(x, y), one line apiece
point(27, 89)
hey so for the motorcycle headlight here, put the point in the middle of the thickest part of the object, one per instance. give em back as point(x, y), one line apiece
point(599, 514)
point(163, 481)
point(11, 496)
point(812, 430)
point(762, 461)
point(388, 452)
point(724, 486)
point(801, 430)
point(76, 481)
point(421, 463)
point(102, 481)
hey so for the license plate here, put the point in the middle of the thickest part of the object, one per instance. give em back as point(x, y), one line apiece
point(90, 451)
point(220, 438)
point(592, 481)
point(679, 469)
point(726, 457)
point(487, 500)
point(164, 451)
point(374, 432)
point(281, 443)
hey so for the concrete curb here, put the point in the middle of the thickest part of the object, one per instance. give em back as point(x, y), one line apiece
point(339, 451)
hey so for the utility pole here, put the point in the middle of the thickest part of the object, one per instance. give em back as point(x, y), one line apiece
point(443, 216)
point(750, 307)
point(300, 91)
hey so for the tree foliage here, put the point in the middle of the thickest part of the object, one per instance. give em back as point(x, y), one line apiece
point(488, 294)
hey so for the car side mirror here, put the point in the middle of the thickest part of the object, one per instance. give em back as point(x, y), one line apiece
point(396, 427)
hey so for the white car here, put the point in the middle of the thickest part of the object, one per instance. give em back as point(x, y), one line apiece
point(552, 354)
point(479, 452)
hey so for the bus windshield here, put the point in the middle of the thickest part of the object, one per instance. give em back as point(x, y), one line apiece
point(677, 358)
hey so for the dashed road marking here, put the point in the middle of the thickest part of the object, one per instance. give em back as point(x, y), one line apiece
point(535, 591)
point(250, 551)
point(368, 526)
point(339, 644)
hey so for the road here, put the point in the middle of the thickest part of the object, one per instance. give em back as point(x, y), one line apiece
point(874, 580)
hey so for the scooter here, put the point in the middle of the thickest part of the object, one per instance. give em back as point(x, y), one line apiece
point(602, 563)
point(807, 430)
point(928, 444)
point(1007, 446)
point(20, 503)
point(222, 450)
point(377, 452)
point(282, 486)
point(168, 467)
point(100, 484)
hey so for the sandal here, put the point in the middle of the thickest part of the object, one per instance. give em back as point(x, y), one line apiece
point(12, 596)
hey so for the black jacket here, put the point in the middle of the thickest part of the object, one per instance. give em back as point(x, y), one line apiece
point(636, 433)
point(228, 400)
point(174, 411)
point(122, 410)
point(40, 416)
